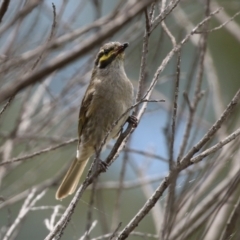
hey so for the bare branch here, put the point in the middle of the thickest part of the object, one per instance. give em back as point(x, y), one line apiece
point(4, 8)
point(216, 147)
point(29, 156)
point(70, 56)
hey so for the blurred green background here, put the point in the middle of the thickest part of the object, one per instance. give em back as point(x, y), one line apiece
point(224, 49)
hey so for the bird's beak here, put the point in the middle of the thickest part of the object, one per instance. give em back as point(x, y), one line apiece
point(125, 45)
point(122, 47)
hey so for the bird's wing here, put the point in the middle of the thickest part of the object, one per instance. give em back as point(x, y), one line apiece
point(87, 108)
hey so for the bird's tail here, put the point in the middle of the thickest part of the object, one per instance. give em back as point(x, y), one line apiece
point(71, 179)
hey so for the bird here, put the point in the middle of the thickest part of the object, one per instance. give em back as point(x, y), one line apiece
point(108, 96)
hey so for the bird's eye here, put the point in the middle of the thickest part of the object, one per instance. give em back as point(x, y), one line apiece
point(106, 51)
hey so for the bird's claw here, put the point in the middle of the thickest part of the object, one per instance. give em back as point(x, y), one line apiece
point(103, 165)
point(133, 120)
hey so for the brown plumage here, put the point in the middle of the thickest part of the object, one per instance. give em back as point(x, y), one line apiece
point(108, 96)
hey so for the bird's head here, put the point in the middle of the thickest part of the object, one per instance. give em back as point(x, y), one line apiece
point(110, 54)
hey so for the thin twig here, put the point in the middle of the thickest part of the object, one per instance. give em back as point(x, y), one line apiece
point(90, 208)
point(26, 207)
point(116, 212)
point(142, 74)
point(53, 28)
point(196, 99)
point(5, 106)
point(183, 165)
point(216, 147)
point(169, 209)
point(137, 234)
point(115, 231)
point(89, 230)
point(72, 55)
point(22, 13)
point(232, 221)
point(231, 106)
point(29, 156)
point(4, 8)
point(220, 26)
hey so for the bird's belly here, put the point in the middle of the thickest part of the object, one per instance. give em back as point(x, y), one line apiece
point(106, 114)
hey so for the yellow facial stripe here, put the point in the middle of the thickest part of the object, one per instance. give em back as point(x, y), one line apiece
point(105, 56)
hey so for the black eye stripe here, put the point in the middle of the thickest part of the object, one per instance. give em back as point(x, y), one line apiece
point(100, 54)
point(106, 51)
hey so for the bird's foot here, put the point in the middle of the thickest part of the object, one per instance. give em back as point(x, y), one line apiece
point(102, 165)
point(133, 120)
